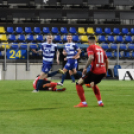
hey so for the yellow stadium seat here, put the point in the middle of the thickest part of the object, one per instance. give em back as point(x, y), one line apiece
point(7, 47)
point(2, 30)
point(90, 30)
point(84, 38)
point(3, 37)
point(81, 30)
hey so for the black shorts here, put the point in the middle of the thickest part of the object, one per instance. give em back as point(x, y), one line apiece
point(44, 82)
point(91, 77)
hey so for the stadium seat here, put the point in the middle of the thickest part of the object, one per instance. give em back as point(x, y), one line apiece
point(3, 46)
point(39, 38)
point(21, 38)
point(113, 46)
point(46, 30)
point(133, 55)
point(107, 30)
point(37, 30)
point(72, 30)
point(101, 38)
point(11, 38)
point(110, 38)
point(30, 38)
point(116, 31)
point(122, 47)
point(90, 30)
point(55, 30)
point(115, 54)
point(81, 30)
point(2, 30)
point(105, 46)
point(84, 38)
point(28, 30)
point(64, 38)
point(116, 67)
point(98, 30)
point(10, 30)
point(128, 39)
point(130, 47)
point(124, 31)
point(18, 30)
point(57, 38)
point(132, 31)
point(14, 47)
point(109, 54)
point(76, 38)
point(119, 38)
point(3, 37)
point(33, 46)
point(23, 46)
point(63, 30)
point(14, 43)
point(128, 55)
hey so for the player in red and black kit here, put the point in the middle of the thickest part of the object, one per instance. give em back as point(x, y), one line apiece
point(98, 59)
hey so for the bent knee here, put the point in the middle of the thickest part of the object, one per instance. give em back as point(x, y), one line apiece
point(92, 84)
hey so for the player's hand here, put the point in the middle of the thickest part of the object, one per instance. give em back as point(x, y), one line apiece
point(65, 59)
point(84, 72)
point(58, 62)
point(64, 53)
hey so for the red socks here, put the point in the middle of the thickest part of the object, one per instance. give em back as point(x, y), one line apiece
point(97, 92)
point(80, 92)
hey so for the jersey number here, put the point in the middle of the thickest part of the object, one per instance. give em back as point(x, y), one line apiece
point(100, 57)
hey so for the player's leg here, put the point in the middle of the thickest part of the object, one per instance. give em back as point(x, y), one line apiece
point(64, 75)
point(55, 72)
point(72, 75)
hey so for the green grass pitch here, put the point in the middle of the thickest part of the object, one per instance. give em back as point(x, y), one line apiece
point(24, 112)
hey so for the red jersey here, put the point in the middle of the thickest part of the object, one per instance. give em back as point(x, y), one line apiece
point(98, 64)
point(35, 82)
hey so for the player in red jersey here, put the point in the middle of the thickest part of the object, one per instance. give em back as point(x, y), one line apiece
point(98, 59)
point(47, 85)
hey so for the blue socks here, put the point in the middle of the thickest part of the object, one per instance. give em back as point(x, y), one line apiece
point(52, 73)
point(39, 84)
point(72, 77)
point(79, 73)
point(63, 78)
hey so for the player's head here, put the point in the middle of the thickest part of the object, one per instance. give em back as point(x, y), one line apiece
point(69, 37)
point(49, 38)
point(91, 40)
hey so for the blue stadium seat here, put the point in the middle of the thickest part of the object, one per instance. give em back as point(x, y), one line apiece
point(55, 30)
point(124, 31)
point(128, 55)
point(113, 46)
point(130, 47)
point(23, 46)
point(39, 38)
point(64, 38)
point(101, 38)
point(19, 30)
point(14, 47)
point(11, 38)
point(98, 30)
point(37, 30)
point(110, 38)
point(14, 43)
point(23, 43)
point(116, 31)
point(116, 67)
point(63, 30)
point(33, 46)
point(122, 47)
point(57, 38)
point(72, 30)
point(128, 38)
point(119, 38)
point(115, 54)
point(28, 30)
point(30, 38)
point(132, 31)
point(10, 30)
point(76, 38)
point(107, 30)
point(21, 38)
point(105, 46)
point(109, 54)
point(46, 30)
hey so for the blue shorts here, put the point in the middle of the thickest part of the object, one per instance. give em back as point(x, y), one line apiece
point(46, 67)
point(71, 64)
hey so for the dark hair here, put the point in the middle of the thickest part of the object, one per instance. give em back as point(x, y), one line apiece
point(69, 34)
point(91, 38)
point(49, 34)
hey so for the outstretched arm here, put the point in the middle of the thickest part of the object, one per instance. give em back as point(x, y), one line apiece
point(34, 51)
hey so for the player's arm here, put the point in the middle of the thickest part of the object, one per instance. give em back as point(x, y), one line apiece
point(34, 51)
point(58, 55)
point(78, 54)
point(64, 53)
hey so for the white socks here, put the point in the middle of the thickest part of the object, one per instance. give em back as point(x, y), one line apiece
point(84, 102)
point(99, 102)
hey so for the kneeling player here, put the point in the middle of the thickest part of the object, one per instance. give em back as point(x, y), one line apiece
point(47, 85)
point(98, 59)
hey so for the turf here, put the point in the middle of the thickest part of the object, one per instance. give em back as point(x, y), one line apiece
point(24, 112)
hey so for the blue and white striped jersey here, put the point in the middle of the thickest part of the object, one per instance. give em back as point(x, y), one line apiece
point(49, 51)
point(70, 49)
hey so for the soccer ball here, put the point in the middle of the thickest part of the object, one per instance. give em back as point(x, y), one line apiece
point(87, 85)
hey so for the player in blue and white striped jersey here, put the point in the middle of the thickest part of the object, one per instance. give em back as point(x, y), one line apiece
point(49, 49)
point(72, 52)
